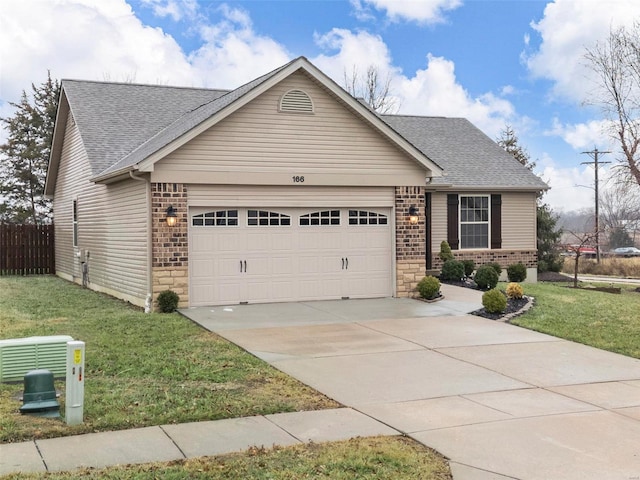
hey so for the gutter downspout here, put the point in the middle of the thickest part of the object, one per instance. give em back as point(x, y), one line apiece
point(148, 306)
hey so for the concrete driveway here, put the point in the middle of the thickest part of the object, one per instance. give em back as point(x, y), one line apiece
point(498, 400)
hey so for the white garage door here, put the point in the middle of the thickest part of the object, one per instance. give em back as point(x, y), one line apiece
point(289, 254)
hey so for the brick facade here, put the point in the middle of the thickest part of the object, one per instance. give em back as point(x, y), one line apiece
point(170, 244)
point(529, 258)
point(410, 240)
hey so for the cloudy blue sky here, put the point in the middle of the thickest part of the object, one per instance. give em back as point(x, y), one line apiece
point(498, 63)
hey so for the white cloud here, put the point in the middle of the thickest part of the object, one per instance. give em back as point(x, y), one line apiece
point(100, 40)
point(106, 41)
point(349, 50)
point(433, 90)
point(421, 11)
point(233, 53)
point(566, 29)
point(583, 135)
point(571, 188)
point(176, 9)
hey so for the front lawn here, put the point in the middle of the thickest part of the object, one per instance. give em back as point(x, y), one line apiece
point(141, 369)
point(602, 320)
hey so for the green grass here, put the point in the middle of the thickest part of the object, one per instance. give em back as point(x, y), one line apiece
point(369, 458)
point(141, 369)
point(602, 320)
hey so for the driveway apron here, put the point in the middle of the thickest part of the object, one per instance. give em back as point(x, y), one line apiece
point(498, 400)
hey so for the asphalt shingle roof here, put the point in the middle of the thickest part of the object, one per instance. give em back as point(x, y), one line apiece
point(116, 118)
point(122, 124)
point(469, 157)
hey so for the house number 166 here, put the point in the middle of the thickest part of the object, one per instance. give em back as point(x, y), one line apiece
point(297, 179)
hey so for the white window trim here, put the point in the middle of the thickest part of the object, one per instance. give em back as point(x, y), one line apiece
point(488, 222)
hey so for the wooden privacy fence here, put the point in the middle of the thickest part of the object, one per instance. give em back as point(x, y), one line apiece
point(26, 249)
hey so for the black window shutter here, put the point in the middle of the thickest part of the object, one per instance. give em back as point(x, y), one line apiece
point(496, 221)
point(452, 221)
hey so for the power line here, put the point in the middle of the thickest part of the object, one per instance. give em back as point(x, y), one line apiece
point(596, 163)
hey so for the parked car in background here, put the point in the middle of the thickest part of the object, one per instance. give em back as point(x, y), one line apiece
point(626, 252)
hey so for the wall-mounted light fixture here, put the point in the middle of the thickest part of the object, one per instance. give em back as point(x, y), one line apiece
point(171, 218)
point(413, 215)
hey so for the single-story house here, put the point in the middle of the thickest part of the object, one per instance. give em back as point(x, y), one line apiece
point(285, 189)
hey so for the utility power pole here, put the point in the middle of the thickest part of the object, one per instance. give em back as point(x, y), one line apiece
point(596, 164)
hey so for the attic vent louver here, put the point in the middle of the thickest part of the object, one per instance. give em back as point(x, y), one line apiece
point(296, 101)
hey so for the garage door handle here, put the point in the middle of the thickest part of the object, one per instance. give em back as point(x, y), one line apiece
point(240, 266)
point(347, 263)
point(245, 266)
point(342, 263)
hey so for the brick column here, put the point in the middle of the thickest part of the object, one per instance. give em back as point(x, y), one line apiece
point(411, 246)
point(170, 244)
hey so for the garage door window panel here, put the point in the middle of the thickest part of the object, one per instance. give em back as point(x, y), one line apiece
point(265, 218)
point(361, 217)
point(219, 218)
point(324, 217)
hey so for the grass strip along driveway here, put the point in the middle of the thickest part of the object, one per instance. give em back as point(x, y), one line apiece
point(141, 369)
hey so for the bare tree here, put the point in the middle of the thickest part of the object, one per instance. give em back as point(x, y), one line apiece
point(620, 208)
point(583, 239)
point(374, 90)
point(616, 62)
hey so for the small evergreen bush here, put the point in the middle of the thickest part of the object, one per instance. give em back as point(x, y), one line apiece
point(517, 272)
point(469, 267)
point(514, 290)
point(168, 301)
point(445, 251)
point(452, 270)
point(494, 301)
point(496, 266)
point(486, 277)
point(429, 287)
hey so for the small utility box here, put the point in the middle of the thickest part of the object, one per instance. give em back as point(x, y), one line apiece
point(74, 397)
point(39, 398)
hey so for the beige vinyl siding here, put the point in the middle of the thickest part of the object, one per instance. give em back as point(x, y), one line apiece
point(300, 196)
point(72, 174)
point(112, 226)
point(260, 145)
point(438, 220)
point(518, 219)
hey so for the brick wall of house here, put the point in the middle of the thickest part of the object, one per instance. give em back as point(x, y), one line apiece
point(529, 258)
point(410, 240)
point(170, 244)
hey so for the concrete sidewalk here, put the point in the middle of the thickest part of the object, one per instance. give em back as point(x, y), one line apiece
point(189, 440)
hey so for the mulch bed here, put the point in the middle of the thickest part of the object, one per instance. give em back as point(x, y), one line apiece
point(515, 306)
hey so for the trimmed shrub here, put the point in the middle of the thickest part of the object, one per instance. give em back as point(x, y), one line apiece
point(429, 287)
point(514, 290)
point(517, 272)
point(469, 267)
point(494, 301)
point(486, 277)
point(452, 270)
point(496, 266)
point(168, 301)
point(445, 251)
